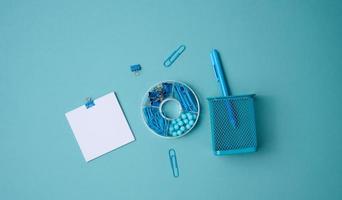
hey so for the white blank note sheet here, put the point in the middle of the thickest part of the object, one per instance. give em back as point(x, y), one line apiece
point(100, 128)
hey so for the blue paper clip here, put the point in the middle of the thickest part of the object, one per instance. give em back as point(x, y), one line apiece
point(155, 121)
point(186, 99)
point(136, 69)
point(174, 164)
point(173, 57)
point(89, 103)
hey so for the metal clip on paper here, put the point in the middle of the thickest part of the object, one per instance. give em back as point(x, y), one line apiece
point(174, 164)
point(173, 57)
point(89, 102)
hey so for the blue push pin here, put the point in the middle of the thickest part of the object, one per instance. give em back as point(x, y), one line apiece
point(136, 68)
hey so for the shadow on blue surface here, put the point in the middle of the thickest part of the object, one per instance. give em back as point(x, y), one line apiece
point(264, 134)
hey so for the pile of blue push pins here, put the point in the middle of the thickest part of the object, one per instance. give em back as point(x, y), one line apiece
point(159, 124)
point(183, 123)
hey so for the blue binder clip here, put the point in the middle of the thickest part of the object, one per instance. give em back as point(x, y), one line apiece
point(136, 69)
point(89, 103)
point(174, 164)
point(173, 57)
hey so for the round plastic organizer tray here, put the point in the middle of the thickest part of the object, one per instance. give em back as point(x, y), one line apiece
point(170, 109)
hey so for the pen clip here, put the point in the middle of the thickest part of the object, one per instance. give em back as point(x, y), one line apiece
point(173, 161)
point(213, 63)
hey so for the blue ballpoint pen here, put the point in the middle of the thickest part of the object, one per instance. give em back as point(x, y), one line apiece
point(218, 70)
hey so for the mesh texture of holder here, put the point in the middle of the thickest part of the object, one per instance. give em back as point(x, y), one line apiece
point(228, 137)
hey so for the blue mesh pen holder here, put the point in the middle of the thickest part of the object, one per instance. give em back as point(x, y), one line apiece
point(233, 124)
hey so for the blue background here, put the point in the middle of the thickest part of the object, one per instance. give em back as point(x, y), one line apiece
point(53, 54)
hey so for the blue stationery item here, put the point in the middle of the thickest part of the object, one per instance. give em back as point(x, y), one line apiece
point(216, 61)
point(170, 109)
point(158, 94)
point(89, 103)
point(173, 57)
point(174, 164)
point(218, 70)
point(232, 118)
point(136, 68)
point(155, 121)
point(187, 99)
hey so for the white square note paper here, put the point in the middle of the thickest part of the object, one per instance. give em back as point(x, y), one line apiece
point(100, 128)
